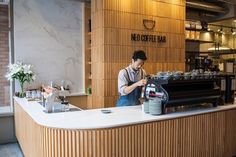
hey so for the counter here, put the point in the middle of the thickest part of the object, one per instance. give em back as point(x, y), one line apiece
point(120, 116)
point(127, 131)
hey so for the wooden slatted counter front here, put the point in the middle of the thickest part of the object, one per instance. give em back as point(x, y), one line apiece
point(202, 133)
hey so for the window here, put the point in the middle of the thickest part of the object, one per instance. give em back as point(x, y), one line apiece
point(5, 56)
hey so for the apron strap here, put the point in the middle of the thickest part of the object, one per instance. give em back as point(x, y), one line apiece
point(142, 74)
point(128, 78)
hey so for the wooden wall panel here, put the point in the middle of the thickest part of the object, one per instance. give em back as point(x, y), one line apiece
point(112, 48)
point(206, 135)
point(87, 45)
point(167, 9)
point(79, 101)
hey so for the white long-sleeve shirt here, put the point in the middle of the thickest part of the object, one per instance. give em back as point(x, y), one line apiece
point(134, 76)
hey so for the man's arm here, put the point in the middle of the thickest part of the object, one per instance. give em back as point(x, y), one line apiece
point(129, 89)
point(123, 87)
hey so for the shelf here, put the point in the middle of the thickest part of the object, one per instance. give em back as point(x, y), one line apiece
point(200, 41)
point(87, 45)
point(193, 29)
point(197, 52)
point(198, 30)
point(221, 53)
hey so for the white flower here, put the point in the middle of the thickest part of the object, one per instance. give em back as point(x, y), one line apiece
point(27, 69)
point(21, 72)
point(9, 76)
point(34, 77)
point(15, 70)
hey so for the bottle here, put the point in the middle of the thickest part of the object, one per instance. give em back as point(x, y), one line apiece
point(51, 84)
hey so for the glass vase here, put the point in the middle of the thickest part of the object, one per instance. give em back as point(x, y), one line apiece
point(22, 92)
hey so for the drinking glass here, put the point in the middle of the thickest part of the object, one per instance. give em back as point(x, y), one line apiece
point(28, 94)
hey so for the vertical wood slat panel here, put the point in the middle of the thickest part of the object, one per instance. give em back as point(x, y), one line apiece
point(73, 144)
point(81, 144)
point(59, 143)
point(69, 145)
point(97, 144)
point(46, 142)
point(53, 142)
point(211, 134)
point(112, 24)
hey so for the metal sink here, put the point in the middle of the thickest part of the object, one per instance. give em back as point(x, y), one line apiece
point(59, 108)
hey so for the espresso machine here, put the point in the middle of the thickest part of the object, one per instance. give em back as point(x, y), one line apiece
point(178, 90)
point(227, 84)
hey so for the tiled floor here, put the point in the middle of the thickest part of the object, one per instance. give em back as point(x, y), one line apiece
point(10, 150)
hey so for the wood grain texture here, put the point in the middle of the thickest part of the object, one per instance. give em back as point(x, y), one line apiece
point(81, 101)
point(112, 48)
point(85, 102)
point(31, 136)
point(206, 135)
point(87, 44)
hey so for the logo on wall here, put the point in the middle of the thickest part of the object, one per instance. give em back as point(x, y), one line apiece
point(149, 24)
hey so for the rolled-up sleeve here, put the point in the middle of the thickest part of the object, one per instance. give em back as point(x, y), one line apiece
point(144, 74)
point(122, 81)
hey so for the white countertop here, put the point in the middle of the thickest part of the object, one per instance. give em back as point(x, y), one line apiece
point(95, 119)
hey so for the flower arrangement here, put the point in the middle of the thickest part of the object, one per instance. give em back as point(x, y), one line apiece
point(21, 72)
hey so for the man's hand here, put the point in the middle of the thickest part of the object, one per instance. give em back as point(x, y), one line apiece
point(130, 88)
point(142, 82)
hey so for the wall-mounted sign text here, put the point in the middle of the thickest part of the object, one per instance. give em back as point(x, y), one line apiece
point(148, 38)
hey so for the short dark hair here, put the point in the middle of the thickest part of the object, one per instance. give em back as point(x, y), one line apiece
point(139, 54)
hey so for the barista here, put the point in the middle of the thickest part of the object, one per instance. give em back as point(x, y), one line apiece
point(131, 80)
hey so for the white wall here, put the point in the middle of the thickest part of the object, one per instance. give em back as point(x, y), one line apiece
point(49, 35)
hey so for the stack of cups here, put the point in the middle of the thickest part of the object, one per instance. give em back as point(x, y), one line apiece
point(146, 106)
point(155, 106)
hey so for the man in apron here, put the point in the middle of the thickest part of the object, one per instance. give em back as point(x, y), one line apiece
point(131, 80)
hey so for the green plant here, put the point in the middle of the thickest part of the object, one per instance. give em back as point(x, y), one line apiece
point(89, 90)
point(21, 72)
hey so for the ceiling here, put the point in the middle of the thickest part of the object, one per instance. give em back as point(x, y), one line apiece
point(228, 22)
point(224, 1)
point(209, 11)
point(227, 1)
point(228, 26)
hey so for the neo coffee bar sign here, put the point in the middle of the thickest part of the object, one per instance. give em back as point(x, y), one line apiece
point(149, 25)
